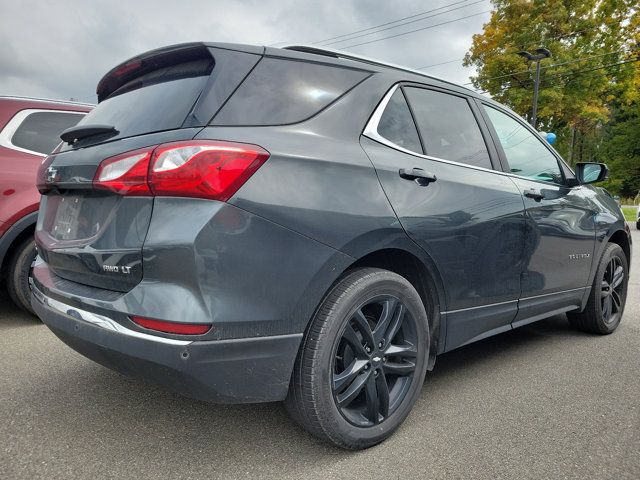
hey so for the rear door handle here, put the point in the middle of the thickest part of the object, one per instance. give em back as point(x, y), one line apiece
point(533, 193)
point(419, 175)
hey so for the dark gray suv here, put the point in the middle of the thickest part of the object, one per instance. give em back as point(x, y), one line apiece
point(250, 224)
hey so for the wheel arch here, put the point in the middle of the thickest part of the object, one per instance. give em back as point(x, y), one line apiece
point(620, 238)
point(418, 268)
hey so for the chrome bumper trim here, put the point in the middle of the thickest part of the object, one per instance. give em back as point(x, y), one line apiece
point(100, 320)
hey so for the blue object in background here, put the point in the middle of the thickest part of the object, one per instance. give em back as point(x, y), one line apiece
point(551, 138)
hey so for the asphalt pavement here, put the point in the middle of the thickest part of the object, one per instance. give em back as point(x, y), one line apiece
point(539, 402)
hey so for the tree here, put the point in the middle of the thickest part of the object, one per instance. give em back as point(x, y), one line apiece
point(594, 45)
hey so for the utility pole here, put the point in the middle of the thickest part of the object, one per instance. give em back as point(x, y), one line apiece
point(541, 53)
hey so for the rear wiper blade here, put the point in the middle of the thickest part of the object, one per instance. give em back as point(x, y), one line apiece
point(73, 134)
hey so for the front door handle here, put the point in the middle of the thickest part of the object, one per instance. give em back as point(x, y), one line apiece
point(419, 175)
point(533, 193)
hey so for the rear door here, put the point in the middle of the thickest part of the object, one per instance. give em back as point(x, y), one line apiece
point(440, 180)
point(560, 220)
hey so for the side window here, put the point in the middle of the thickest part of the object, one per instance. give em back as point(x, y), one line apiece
point(396, 124)
point(526, 154)
point(448, 127)
point(40, 131)
point(279, 92)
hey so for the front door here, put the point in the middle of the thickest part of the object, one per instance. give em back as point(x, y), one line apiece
point(467, 217)
point(560, 222)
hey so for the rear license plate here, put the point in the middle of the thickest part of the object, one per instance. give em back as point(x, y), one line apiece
point(65, 225)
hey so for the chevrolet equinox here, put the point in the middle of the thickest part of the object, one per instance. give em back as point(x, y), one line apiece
point(251, 224)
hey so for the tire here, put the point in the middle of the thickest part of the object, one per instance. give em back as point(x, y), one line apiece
point(19, 272)
point(638, 225)
point(332, 362)
point(605, 305)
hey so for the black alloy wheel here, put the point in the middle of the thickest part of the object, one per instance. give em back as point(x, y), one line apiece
point(605, 305)
point(613, 285)
point(374, 362)
point(362, 361)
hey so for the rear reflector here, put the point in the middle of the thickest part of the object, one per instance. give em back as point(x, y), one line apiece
point(172, 327)
point(197, 168)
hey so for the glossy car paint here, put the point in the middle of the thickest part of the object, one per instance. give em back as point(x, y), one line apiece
point(257, 266)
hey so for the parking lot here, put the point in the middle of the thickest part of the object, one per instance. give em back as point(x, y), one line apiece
point(540, 402)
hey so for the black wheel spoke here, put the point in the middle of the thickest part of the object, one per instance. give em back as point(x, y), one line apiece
point(362, 324)
point(400, 369)
point(352, 339)
point(383, 393)
point(345, 398)
point(387, 318)
point(606, 309)
point(342, 380)
point(615, 296)
point(406, 350)
point(373, 405)
point(618, 277)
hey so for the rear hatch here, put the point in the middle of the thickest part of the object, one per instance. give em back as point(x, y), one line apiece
point(94, 235)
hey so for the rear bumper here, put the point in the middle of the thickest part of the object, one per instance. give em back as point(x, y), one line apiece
point(244, 370)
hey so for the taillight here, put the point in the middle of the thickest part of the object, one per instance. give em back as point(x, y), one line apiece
point(197, 168)
point(125, 174)
point(172, 327)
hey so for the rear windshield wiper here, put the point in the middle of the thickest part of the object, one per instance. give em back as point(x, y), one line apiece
point(73, 134)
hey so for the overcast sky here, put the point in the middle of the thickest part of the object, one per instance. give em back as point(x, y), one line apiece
point(60, 49)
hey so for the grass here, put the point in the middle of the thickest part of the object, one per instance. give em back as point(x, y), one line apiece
point(629, 213)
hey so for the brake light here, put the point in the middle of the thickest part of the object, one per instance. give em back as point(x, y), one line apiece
point(197, 168)
point(172, 327)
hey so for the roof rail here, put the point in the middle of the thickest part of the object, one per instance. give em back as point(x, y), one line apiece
point(49, 100)
point(359, 58)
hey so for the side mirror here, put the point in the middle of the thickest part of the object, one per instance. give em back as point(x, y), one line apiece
point(591, 172)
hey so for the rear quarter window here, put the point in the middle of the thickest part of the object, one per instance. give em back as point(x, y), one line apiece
point(40, 131)
point(279, 92)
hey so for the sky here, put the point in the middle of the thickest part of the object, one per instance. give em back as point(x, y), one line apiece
point(60, 49)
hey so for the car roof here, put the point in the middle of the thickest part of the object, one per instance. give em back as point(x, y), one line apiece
point(46, 103)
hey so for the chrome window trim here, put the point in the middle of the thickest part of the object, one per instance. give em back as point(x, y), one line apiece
point(371, 131)
point(101, 321)
point(9, 130)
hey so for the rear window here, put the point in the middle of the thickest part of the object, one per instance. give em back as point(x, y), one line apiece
point(396, 124)
point(448, 127)
point(280, 92)
point(40, 131)
point(159, 100)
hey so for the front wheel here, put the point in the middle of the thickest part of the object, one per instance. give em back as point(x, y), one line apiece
point(362, 363)
point(608, 295)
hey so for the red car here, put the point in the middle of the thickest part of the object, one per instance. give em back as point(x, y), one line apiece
point(29, 129)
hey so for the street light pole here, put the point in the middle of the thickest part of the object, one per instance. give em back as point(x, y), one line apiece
point(540, 54)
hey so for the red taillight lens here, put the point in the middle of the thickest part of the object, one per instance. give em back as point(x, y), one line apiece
point(125, 174)
point(203, 169)
point(173, 327)
point(197, 168)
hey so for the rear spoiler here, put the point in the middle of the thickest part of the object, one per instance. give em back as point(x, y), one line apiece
point(148, 62)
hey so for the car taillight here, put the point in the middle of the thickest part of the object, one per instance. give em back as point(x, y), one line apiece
point(172, 327)
point(125, 174)
point(198, 168)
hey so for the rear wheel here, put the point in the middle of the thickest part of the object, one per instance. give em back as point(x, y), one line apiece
point(363, 360)
point(608, 295)
point(19, 273)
